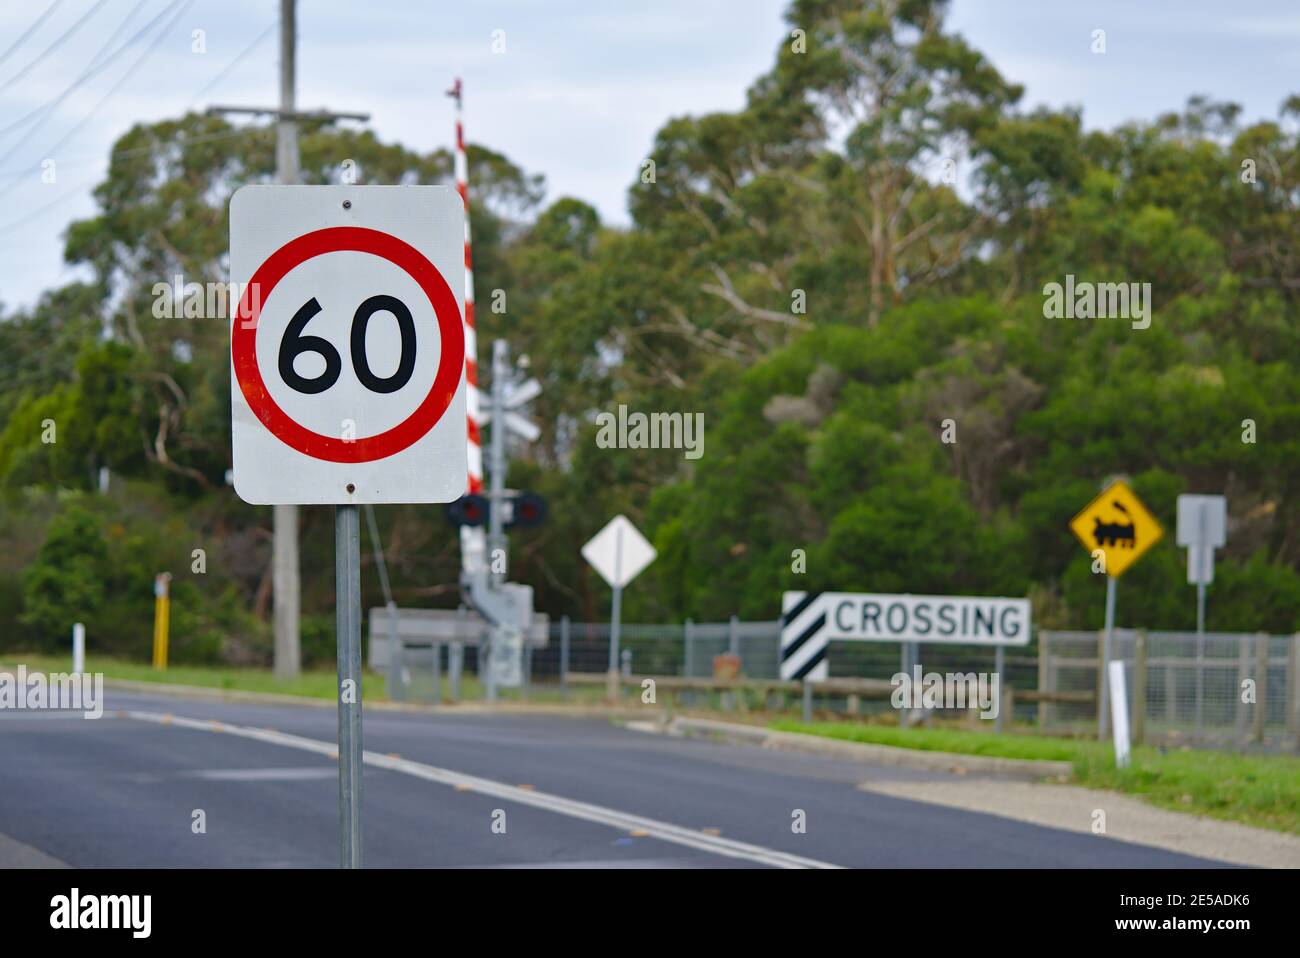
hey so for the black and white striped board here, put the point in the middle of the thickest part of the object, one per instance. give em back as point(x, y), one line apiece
point(804, 636)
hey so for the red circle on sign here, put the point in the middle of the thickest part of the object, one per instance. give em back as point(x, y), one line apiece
point(243, 344)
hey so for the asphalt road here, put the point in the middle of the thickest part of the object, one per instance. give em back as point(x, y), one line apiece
point(123, 790)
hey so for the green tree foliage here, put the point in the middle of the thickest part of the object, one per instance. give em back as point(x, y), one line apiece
point(845, 277)
point(66, 582)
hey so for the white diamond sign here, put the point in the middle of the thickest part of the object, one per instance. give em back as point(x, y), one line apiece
point(619, 552)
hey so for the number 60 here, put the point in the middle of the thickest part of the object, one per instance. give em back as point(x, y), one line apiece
point(294, 344)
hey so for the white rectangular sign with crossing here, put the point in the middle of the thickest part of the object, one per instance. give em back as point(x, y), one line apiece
point(810, 620)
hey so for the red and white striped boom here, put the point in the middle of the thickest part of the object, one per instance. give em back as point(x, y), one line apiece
point(471, 348)
point(473, 541)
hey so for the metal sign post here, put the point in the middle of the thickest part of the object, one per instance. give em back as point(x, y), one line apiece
point(1107, 651)
point(1204, 570)
point(1202, 528)
point(618, 552)
point(334, 257)
point(347, 604)
point(615, 615)
point(1119, 526)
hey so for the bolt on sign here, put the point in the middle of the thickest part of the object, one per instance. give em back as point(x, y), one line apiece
point(347, 347)
point(1118, 524)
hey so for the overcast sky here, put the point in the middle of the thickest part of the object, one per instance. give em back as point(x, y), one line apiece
point(577, 95)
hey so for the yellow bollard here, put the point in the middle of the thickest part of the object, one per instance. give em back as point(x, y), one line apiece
point(161, 615)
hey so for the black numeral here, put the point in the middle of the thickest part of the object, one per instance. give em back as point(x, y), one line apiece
point(294, 344)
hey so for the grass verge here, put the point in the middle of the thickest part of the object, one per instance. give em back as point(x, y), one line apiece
point(1260, 790)
point(317, 684)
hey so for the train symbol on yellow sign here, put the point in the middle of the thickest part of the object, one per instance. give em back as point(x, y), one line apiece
point(1118, 524)
point(1121, 535)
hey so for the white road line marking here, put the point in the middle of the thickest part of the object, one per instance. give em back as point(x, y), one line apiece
point(264, 774)
point(623, 821)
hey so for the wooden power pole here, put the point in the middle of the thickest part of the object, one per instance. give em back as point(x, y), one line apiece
point(285, 568)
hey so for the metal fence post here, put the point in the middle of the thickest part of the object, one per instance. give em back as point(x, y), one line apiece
point(1243, 673)
point(1293, 691)
point(807, 700)
point(457, 668)
point(564, 653)
point(1171, 696)
point(394, 654)
point(904, 666)
point(999, 663)
point(733, 637)
point(1101, 684)
point(689, 637)
point(455, 665)
point(1261, 686)
point(1044, 679)
point(1139, 722)
point(1200, 666)
point(436, 647)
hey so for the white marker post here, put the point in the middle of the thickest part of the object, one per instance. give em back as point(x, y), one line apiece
point(1119, 712)
point(78, 648)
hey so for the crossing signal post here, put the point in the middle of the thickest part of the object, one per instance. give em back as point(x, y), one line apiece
point(527, 509)
point(506, 606)
point(470, 510)
point(520, 510)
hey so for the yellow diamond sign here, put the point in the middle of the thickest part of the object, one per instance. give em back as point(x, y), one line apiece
point(1119, 525)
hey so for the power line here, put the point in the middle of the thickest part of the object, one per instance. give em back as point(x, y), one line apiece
point(233, 63)
point(130, 71)
point(126, 21)
point(139, 151)
point(142, 150)
point(48, 107)
point(27, 217)
point(94, 61)
point(52, 47)
point(30, 30)
point(125, 154)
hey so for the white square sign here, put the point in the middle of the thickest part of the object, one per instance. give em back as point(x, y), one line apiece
point(348, 345)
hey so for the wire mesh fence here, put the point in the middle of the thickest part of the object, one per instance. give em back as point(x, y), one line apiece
point(1225, 689)
point(1219, 689)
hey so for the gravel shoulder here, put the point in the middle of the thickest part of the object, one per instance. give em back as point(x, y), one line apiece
point(1128, 819)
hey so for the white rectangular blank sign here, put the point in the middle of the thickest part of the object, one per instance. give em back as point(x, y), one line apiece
point(348, 345)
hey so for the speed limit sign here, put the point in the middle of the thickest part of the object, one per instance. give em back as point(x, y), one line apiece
point(347, 349)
